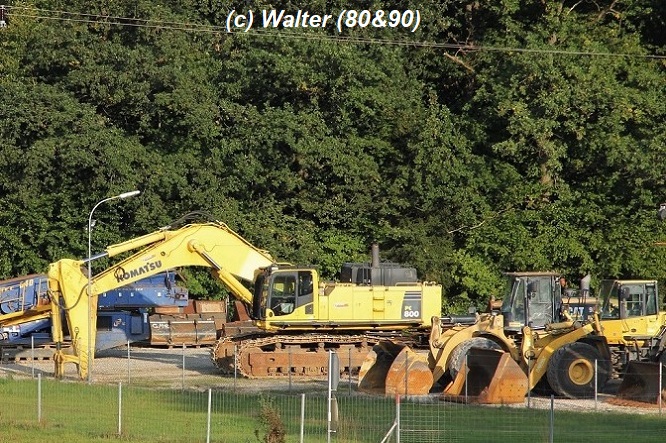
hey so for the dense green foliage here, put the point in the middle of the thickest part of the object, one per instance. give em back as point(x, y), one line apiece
point(539, 149)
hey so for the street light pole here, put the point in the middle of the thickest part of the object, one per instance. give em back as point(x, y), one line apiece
point(90, 313)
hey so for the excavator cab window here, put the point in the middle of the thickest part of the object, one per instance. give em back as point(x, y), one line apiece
point(305, 288)
point(283, 294)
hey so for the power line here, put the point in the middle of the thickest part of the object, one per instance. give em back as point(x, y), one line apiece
point(100, 19)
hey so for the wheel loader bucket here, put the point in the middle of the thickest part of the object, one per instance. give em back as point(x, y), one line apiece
point(641, 383)
point(391, 368)
point(488, 376)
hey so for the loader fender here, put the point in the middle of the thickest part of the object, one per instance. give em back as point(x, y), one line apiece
point(571, 368)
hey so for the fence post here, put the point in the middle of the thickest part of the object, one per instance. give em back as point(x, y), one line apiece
point(120, 408)
point(302, 417)
point(208, 417)
point(182, 373)
point(235, 364)
point(39, 398)
point(397, 419)
point(350, 372)
point(32, 352)
point(661, 367)
point(596, 387)
point(551, 434)
point(529, 383)
point(289, 369)
point(406, 374)
point(129, 357)
point(466, 373)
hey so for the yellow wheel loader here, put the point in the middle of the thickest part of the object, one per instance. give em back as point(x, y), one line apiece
point(635, 329)
point(496, 357)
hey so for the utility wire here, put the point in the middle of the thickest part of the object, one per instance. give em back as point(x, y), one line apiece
point(37, 13)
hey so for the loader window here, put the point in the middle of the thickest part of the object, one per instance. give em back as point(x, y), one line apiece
point(651, 307)
point(611, 301)
point(517, 301)
point(540, 296)
point(632, 299)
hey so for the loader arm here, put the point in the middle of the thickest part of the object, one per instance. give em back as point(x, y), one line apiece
point(213, 245)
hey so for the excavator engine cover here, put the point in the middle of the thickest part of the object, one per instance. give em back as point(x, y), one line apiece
point(488, 376)
point(641, 383)
point(394, 369)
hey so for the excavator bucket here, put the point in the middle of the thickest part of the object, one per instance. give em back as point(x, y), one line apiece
point(641, 382)
point(488, 376)
point(391, 368)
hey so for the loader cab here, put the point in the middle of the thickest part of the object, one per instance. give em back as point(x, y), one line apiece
point(532, 299)
point(625, 299)
point(280, 292)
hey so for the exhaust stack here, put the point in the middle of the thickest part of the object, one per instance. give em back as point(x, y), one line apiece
point(375, 255)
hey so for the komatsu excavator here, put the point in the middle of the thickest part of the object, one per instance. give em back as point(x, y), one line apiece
point(297, 317)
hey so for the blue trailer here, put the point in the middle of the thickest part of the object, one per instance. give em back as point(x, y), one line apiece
point(155, 310)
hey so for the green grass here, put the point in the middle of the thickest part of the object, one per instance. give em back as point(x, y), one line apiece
point(77, 413)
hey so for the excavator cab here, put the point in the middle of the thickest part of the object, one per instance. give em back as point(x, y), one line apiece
point(284, 292)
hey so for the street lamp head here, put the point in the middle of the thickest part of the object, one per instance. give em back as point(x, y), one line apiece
point(129, 194)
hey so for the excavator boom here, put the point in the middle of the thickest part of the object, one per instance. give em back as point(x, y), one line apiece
point(213, 245)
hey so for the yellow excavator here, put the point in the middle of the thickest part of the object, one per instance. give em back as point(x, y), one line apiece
point(297, 318)
point(497, 356)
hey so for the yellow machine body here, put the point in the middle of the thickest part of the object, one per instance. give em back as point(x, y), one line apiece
point(498, 356)
point(284, 298)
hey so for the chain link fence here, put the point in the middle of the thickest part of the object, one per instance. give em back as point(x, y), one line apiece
point(178, 395)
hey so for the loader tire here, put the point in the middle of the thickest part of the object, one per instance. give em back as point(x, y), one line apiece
point(571, 370)
point(460, 352)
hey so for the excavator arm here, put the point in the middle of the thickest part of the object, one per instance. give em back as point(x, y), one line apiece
point(212, 245)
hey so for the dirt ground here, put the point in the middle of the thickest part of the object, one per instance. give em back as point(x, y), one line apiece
point(190, 368)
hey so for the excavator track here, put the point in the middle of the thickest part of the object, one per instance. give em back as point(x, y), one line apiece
point(258, 355)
